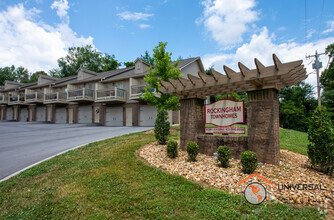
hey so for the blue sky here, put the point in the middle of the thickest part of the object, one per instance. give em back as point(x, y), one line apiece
point(35, 33)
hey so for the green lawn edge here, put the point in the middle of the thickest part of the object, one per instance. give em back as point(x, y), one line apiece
point(106, 180)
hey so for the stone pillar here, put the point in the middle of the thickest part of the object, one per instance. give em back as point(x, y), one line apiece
point(32, 112)
point(191, 120)
point(263, 125)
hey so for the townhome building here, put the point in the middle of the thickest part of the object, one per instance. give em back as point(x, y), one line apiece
point(109, 98)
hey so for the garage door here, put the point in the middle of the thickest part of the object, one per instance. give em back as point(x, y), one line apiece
point(147, 115)
point(9, 114)
point(40, 113)
point(60, 115)
point(114, 116)
point(85, 114)
point(24, 114)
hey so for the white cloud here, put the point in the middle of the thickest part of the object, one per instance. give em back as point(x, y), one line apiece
point(227, 21)
point(62, 7)
point(144, 26)
point(134, 16)
point(33, 44)
point(262, 46)
point(330, 25)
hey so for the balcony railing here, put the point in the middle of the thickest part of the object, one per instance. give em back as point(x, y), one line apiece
point(16, 99)
point(114, 94)
point(81, 94)
point(136, 91)
point(3, 99)
point(55, 97)
point(34, 97)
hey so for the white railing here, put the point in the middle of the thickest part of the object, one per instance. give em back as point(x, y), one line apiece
point(33, 97)
point(3, 99)
point(55, 97)
point(111, 94)
point(16, 99)
point(81, 94)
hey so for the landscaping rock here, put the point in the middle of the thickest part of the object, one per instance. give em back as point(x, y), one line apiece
point(293, 169)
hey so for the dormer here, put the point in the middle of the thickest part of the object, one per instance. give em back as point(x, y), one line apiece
point(12, 85)
point(43, 79)
point(140, 66)
point(85, 74)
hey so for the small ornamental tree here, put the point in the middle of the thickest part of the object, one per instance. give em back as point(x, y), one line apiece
point(163, 70)
point(161, 127)
point(321, 137)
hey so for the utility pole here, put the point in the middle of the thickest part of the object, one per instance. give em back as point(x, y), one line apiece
point(317, 65)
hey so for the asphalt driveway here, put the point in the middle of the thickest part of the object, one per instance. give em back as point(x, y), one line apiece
point(23, 144)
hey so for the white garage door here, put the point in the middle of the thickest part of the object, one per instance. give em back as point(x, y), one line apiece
point(60, 115)
point(147, 115)
point(40, 113)
point(114, 116)
point(85, 114)
point(24, 114)
point(9, 114)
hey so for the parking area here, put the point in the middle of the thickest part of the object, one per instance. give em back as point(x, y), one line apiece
point(23, 144)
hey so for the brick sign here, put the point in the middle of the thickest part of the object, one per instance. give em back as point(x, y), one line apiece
point(224, 113)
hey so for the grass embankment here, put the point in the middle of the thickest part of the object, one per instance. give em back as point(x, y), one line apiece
point(107, 180)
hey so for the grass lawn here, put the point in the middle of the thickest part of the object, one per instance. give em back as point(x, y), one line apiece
point(107, 180)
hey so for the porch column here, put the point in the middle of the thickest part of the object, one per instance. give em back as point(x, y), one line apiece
point(51, 113)
point(72, 113)
point(263, 125)
point(191, 120)
point(32, 112)
point(16, 113)
point(2, 112)
point(103, 114)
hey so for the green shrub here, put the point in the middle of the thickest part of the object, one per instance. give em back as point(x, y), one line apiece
point(192, 150)
point(248, 161)
point(161, 127)
point(224, 154)
point(321, 137)
point(172, 149)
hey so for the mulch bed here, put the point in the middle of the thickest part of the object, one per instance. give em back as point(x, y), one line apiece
point(293, 169)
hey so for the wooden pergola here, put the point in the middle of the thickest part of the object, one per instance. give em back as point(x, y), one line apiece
point(270, 77)
point(262, 86)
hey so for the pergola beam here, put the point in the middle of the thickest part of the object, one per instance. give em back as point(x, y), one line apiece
point(275, 76)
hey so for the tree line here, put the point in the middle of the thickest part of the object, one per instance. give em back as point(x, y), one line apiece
point(86, 57)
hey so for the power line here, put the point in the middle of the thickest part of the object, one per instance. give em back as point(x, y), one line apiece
point(317, 65)
point(322, 11)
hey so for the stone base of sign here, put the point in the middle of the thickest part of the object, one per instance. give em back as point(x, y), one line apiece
point(208, 144)
point(263, 125)
point(191, 120)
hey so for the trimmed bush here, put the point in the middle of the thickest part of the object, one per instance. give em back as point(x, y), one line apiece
point(161, 127)
point(192, 150)
point(172, 149)
point(224, 155)
point(248, 161)
point(321, 137)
